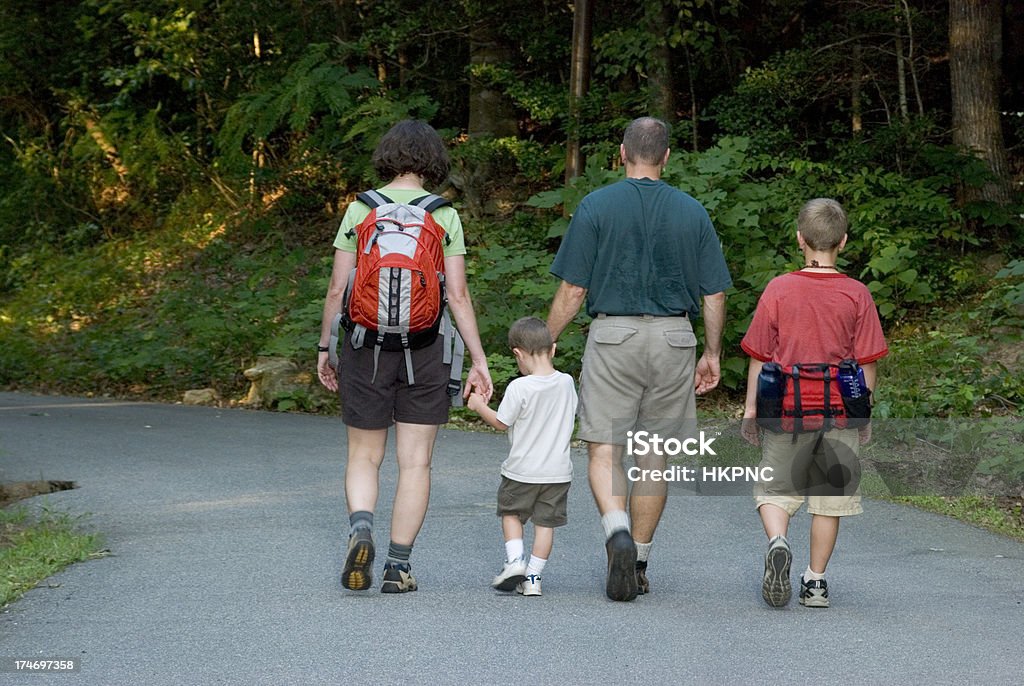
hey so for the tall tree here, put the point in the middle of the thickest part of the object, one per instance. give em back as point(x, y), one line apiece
point(975, 49)
point(490, 110)
point(579, 83)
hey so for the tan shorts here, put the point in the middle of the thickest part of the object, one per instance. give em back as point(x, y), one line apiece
point(546, 504)
point(637, 374)
point(801, 471)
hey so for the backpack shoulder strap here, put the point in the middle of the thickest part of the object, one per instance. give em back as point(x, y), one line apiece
point(431, 202)
point(373, 199)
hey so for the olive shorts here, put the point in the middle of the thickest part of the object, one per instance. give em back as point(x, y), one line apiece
point(546, 504)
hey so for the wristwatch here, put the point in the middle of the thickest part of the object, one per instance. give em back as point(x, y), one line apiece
point(322, 348)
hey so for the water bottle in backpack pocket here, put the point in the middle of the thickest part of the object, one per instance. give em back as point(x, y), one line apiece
point(856, 394)
point(771, 387)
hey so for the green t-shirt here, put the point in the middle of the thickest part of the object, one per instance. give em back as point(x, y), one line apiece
point(447, 217)
point(642, 247)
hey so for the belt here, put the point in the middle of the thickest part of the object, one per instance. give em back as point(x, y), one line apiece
point(645, 317)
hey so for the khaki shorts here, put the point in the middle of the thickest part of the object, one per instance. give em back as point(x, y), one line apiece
point(637, 375)
point(801, 471)
point(389, 398)
point(546, 504)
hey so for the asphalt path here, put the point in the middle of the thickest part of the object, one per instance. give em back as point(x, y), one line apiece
point(226, 534)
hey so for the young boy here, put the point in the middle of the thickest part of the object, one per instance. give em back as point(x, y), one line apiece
point(538, 411)
point(813, 315)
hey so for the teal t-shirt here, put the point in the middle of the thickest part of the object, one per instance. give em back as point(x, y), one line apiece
point(642, 247)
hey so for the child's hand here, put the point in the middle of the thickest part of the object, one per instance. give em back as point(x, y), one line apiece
point(864, 434)
point(476, 402)
point(748, 428)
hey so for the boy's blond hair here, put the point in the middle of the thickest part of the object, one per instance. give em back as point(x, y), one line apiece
point(530, 335)
point(822, 222)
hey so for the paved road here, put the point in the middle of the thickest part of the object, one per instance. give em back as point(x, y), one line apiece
point(226, 526)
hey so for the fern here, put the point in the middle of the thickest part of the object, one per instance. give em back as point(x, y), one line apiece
point(314, 86)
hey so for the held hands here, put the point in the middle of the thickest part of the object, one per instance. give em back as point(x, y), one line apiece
point(476, 402)
point(478, 381)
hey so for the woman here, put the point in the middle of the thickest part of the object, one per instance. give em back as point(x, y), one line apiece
point(374, 385)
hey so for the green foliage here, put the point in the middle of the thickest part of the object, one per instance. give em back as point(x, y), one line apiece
point(33, 548)
point(316, 85)
point(947, 372)
point(768, 101)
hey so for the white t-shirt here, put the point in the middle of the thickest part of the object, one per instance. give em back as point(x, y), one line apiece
point(539, 411)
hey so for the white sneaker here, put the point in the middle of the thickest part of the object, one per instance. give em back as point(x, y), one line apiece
point(530, 586)
point(512, 574)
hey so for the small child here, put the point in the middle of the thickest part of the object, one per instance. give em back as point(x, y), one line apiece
point(813, 315)
point(538, 412)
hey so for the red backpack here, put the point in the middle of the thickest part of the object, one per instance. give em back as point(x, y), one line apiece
point(395, 299)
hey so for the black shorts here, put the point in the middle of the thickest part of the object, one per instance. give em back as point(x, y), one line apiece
point(390, 398)
point(546, 504)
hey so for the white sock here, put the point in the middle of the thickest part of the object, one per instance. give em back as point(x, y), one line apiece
point(513, 549)
point(617, 520)
point(643, 551)
point(811, 575)
point(536, 565)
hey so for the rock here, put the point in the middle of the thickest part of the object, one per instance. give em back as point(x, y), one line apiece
point(274, 378)
point(201, 396)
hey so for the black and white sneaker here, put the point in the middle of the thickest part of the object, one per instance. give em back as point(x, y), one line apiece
point(398, 578)
point(643, 586)
point(357, 574)
point(776, 588)
point(813, 593)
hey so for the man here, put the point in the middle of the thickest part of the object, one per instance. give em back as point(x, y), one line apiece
point(642, 255)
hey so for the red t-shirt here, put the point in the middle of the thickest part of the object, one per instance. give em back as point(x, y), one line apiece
point(806, 317)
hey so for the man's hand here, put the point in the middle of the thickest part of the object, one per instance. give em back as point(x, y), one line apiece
point(707, 375)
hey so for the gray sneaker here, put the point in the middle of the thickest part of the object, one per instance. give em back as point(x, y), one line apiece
point(813, 593)
point(776, 588)
point(398, 578)
point(357, 574)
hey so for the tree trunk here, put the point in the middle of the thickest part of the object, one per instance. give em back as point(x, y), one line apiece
point(490, 111)
point(661, 86)
point(857, 122)
point(579, 84)
point(975, 47)
point(901, 70)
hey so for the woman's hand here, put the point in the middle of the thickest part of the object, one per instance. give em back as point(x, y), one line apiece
point(326, 373)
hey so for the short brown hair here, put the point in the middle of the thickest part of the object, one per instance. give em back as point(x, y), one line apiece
point(822, 222)
point(646, 140)
point(412, 146)
point(530, 335)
